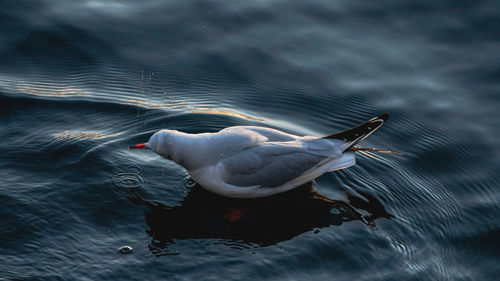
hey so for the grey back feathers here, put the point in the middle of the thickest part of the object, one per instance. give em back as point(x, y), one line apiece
point(273, 164)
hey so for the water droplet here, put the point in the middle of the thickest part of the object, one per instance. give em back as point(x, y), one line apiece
point(126, 249)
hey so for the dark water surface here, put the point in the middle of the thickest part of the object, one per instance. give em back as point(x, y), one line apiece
point(82, 80)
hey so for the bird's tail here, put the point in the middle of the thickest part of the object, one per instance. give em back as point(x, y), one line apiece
point(357, 134)
point(367, 151)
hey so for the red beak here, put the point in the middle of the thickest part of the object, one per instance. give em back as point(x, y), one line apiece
point(141, 145)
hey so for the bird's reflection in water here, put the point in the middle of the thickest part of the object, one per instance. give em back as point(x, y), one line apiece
point(254, 222)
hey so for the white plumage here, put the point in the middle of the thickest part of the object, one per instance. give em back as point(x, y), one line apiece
point(250, 161)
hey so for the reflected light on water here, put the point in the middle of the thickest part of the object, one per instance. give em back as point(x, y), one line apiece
point(221, 112)
point(177, 106)
point(76, 135)
point(49, 90)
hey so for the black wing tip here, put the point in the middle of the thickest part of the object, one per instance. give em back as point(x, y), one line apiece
point(357, 134)
point(383, 116)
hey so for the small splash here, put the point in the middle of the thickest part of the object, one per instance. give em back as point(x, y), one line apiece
point(130, 182)
point(126, 249)
point(130, 179)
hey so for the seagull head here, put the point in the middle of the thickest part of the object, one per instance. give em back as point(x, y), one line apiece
point(158, 143)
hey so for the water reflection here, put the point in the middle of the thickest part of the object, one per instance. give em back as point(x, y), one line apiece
point(47, 89)
point(77, 135)
point(144, 100)
point(250, 222)
point(222, 112)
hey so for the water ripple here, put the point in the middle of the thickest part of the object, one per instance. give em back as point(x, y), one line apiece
point(77, 88)
point(131, 182)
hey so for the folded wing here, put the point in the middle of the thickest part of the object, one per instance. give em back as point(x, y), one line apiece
point(272, 164)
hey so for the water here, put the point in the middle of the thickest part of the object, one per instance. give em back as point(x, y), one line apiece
point(80, 81)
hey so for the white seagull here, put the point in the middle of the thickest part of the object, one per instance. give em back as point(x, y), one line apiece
point(252, 161)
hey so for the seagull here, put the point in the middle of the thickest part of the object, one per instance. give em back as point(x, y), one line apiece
point(253, 161)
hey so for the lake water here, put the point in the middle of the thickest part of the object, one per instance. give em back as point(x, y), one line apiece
point(80, 81)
